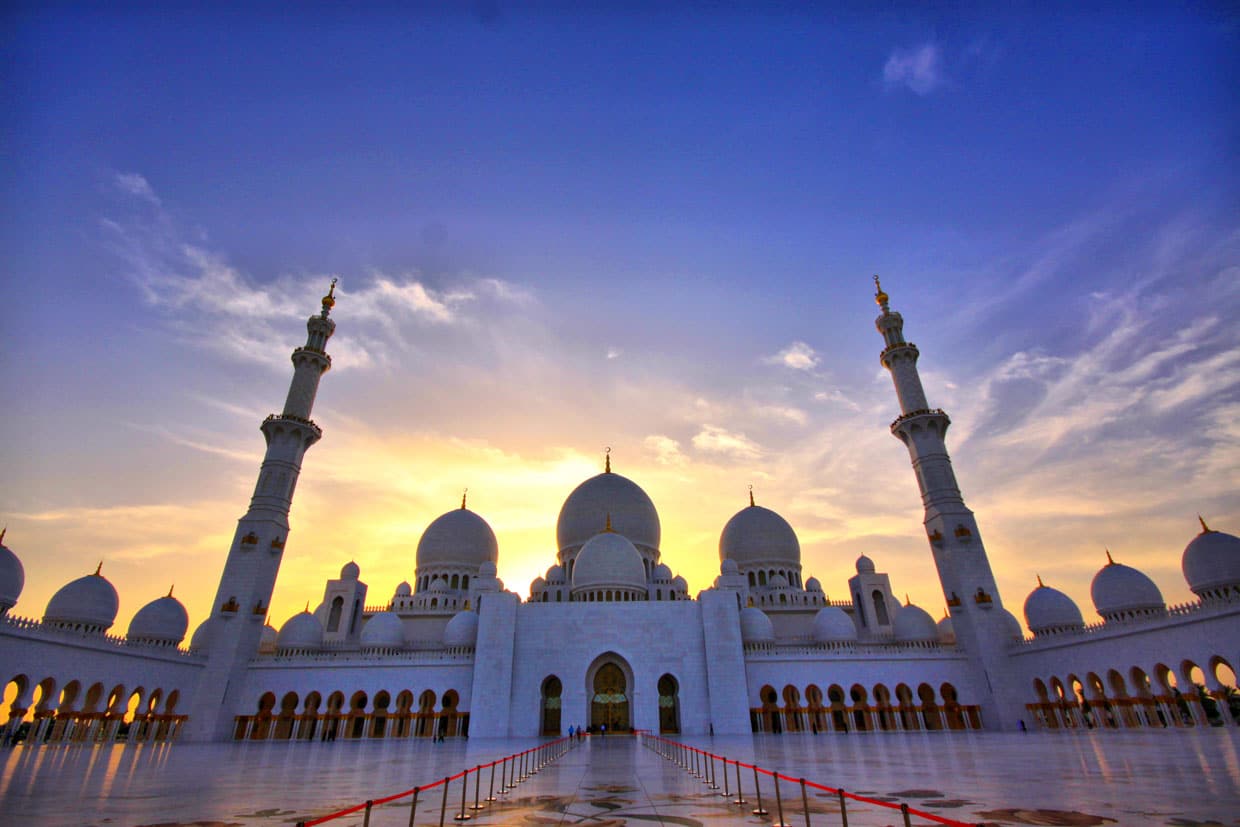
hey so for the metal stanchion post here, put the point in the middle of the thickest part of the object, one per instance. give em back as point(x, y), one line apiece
point(740, 796)
point(779, 805)
point(757, 786)
point(503, 781)
point(443, 805)
point(491, 788)
point(696, 773)
point(462, 815)
point(904, 812)
point(843, 810)
point(477, 787)
point(366, 815)
point(726, 793)
point(805, 802)
point(710, 782)
point(413, 809)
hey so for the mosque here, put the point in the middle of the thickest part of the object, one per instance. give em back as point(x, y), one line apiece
point(611, 637)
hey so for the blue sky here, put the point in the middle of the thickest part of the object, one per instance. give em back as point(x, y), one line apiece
point(560, 230)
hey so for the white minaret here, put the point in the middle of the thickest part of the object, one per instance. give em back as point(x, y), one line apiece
point(249, 577)
point(978, 619)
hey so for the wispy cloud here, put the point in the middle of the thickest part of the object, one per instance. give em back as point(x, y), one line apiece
point(798, 356)
point(665, 449)
point(131, 183)
point(717, 440)
point(919, 69)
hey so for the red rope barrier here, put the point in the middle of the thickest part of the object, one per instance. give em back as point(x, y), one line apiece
point(423, 788)
point(938, 819)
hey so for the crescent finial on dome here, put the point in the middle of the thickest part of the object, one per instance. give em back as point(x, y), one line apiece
point(329, 301)
point(170, 588)
point(1205, 529)
point(608, 527)
point(1041, 585)
point(98, 569)
point(463, 495)
point(607, 460)
point(907, 602)
point(3, 531)
point(307, 609)
point(1110, 562)
point(751, 502)
point(879, 296)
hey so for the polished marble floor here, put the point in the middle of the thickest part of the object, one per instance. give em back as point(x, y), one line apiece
point(1182, 778)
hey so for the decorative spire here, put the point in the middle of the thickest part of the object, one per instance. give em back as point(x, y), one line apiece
point(1110, 562)
point(170, 588)
point(751, 503)
point(3, 531)
point(607, 461)
point(98, 569)
point(329, 301)
point(307, 609)
point(608, 527)
point(907, 602)
point(1205, 529)
point(463, 495)
point(1041, 585)
point(880, 297)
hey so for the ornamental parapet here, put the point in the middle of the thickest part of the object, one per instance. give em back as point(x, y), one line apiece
point(811, 648)
point(1175, 614)
point(898, 346)
point(33, 629)
point(936, 413)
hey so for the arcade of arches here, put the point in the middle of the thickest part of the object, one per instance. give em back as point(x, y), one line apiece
point(1139, 698)
point(862, 710)
point(356, 716)
point(47, 713)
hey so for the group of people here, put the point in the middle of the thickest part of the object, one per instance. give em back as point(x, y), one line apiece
point(579, 732)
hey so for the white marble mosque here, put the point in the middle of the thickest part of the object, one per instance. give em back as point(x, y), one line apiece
point(611, 637)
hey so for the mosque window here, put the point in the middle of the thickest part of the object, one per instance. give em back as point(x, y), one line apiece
point(752, 583)
point(880, 608)
point(761, 578)
point(333, 617)
point(857, 607)
point(456, 581)
point(658, 594)
point(465, 582)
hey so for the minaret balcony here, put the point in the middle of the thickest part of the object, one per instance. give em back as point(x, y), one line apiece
point(898, 350)
point(293, 422)
point(922, 415)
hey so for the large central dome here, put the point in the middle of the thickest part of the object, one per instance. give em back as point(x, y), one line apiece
point(586, 510)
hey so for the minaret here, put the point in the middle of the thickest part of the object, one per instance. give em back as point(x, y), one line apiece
point(244, 593)
point(959, 554)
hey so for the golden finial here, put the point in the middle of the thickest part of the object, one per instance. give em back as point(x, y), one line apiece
point(307, 609)
point(607, 461)
point(907, 602)
point(329, 301)
point(879, 296)
point(463, 495)
point(3, 531)
point(608, 526)
point(1205, 529)
point(751, 496)
point(98, 569)
point(1041, 585)
point(1110, 562)
point(170, 588)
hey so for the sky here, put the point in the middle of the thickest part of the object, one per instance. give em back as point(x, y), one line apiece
point(652, 230)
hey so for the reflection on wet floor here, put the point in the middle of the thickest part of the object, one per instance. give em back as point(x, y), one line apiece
point(1180, 778)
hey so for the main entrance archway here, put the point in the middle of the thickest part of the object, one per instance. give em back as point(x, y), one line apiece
point(609, 695)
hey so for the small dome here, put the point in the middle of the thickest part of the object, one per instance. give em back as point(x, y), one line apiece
point(812, 585)
point(301, 631)
point(488, 569)
point(1212, 561)
point(403, 589)
point(778, 582)
point(756, 627)
point(12, 578)
point(757, 535)
point(865, 565)
point(609, 560)
point(586, 510)
point(833, 625)
point(728, 568)
point(201, 641)
point(947, 632)
point(1050, 610)
point(439, 585)
point(351, 571)
point(537, 585)
point(163, 620)
point(89, 601)
point(266, 641)
point(1015, 632)
point(914, 624)
point(680, 584)
point(458, 538)
point(462, 630)
point(1118, 589)
point(383, 631)
point(661, 573)
point(555, 574)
